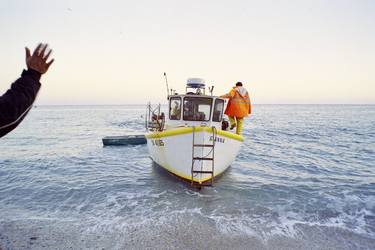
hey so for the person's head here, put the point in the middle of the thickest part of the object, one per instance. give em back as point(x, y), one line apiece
point(239, 84)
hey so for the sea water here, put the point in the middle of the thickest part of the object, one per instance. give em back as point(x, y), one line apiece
point(303, 179)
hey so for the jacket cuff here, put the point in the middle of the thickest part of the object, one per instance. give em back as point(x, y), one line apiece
point(32, 73)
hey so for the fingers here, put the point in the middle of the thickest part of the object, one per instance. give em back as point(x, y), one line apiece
point(41, 54)
point(27, 52)
point(46, 58)
point(36, 51)
point(50, 62)
point(40, 51)
point(38, 60)
point(48, 54)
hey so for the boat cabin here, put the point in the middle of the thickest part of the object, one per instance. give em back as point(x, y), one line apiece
point(195, 108)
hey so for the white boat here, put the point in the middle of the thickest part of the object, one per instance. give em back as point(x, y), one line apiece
point(192, 141)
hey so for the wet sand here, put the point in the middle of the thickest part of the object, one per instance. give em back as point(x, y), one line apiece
point(49, 234)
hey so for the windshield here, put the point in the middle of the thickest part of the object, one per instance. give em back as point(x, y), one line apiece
point(197, 109)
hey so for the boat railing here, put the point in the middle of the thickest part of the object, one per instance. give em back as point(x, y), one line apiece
point(155, 119)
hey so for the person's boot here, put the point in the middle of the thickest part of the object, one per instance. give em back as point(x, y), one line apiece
point(232, 126)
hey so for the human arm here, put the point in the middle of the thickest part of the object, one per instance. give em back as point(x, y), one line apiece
point(18, 100)
point(229, 95)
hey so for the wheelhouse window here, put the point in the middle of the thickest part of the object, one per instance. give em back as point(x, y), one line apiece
point(197, 109)
point(218, 110)
point(175, 108)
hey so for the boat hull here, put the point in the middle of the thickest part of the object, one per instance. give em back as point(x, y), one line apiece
point(173, 150)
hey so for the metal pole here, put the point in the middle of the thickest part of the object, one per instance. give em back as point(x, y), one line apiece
point(166, 81)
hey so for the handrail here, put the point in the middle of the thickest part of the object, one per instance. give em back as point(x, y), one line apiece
point(154, 117)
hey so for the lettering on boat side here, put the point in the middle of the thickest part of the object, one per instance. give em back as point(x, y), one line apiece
point(218, 139)
point(157, 142)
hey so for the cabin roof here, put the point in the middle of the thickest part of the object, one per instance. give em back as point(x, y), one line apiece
point(195, 95)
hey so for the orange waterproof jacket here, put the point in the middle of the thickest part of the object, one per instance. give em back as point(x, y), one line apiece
point(239, 103)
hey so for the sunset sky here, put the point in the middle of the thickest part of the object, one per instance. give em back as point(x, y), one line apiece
point(115, 52)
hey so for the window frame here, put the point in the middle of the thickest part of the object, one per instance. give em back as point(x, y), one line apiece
point(170, 107)
point(217, 100)
point(195, 98)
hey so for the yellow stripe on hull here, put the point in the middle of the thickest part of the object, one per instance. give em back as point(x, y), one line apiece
point(187, 178)
point(186, 130)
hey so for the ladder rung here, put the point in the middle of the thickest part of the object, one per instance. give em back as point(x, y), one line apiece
point(203, 158)
point(204, 145)
point(203, 172)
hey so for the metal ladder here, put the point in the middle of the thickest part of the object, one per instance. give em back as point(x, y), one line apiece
point(209, 157)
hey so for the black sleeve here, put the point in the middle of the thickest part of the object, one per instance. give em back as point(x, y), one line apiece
point(15, 103)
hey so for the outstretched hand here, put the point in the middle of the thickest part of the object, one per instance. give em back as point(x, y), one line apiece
point(38, 60)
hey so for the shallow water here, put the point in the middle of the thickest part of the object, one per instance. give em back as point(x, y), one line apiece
point(304, 178)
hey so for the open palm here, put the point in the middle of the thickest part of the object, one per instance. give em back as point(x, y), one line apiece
point(38, 60)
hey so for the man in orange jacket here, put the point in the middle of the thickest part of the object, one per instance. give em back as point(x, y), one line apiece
point(238, 106)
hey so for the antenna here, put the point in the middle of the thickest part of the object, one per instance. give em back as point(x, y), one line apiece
point(166, 81)
point(211, 89)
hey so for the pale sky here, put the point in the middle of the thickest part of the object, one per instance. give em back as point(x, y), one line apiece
point(115, 52)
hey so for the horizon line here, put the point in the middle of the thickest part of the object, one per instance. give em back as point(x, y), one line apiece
point(134, 104)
